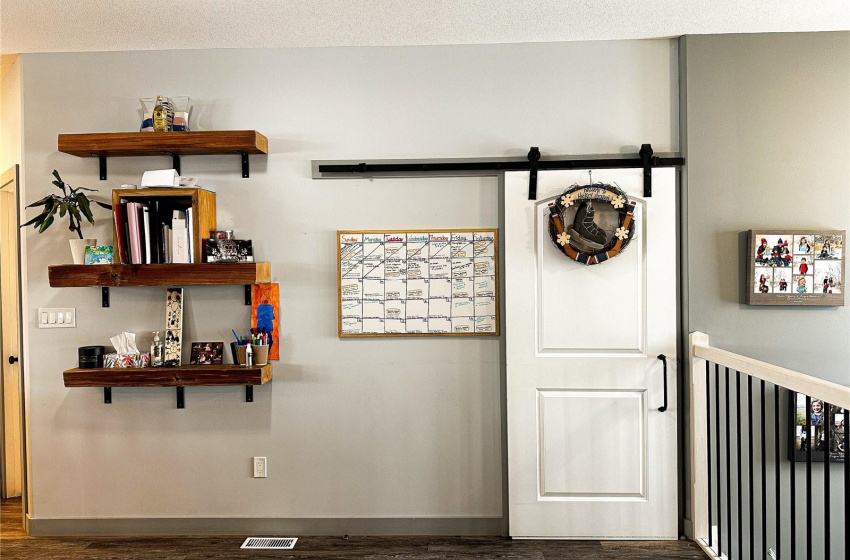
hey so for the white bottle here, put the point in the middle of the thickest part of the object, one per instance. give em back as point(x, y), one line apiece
point(249, 356)
point(156, 350)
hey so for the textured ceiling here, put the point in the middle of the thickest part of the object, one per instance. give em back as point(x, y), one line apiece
point(108, 25)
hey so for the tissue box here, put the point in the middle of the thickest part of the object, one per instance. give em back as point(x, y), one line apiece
point(127, 360)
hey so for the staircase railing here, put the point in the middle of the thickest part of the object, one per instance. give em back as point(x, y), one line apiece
point(769, 470)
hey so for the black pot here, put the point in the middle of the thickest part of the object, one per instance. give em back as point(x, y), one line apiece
point(91, 356)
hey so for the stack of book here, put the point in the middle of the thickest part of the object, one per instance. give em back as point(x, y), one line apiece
point(153, 232)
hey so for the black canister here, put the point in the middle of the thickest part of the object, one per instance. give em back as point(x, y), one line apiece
point(91, 356)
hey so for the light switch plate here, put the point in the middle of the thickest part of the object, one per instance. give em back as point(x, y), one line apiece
point(57, 317)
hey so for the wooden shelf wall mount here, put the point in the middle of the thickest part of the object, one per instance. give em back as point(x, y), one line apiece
point(175, 144)
point(178, 377)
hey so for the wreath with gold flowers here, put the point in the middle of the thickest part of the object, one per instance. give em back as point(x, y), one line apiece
point(575, 228)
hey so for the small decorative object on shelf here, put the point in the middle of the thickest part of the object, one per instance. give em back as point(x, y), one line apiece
point(173, 327)
point(206, 353)
point(76, 205)
point(795, 267)
point(592, 223)
point(98, 254)
point(165, 114)
point(228, 250)
point(156, 350)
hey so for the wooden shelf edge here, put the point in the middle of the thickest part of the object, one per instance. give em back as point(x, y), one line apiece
point(132, 144)
point(182, 376)
point(118, 275)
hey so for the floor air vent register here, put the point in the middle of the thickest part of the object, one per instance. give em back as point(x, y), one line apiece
point(276, 543)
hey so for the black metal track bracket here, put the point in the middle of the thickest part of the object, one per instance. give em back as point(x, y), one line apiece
point(107, 395)
point(648, 162)
point(181, 398)
point(533, 159)
point(101, 161)
point(249, 393)
point(247, 294)
point(104, 296)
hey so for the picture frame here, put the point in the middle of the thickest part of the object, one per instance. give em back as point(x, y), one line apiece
point(796, 267)
point(207, 353)
point(827, 426)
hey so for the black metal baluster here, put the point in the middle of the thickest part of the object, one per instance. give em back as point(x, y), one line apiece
point(827, 426)
point(846, 482)
point(763, 474)
point(717, 447)
point(728, 467)
point(739, 461)
point(812, 442)
point(778, 480)
point(708, 442)
point(752, 489)
point(793, 481)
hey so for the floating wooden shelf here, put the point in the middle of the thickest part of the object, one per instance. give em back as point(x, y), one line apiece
point(181, 376)
point(130, 144)
point(176, 144)
point(178, 377)
point(115, 275)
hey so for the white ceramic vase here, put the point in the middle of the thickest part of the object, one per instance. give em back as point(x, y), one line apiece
point(78, 249)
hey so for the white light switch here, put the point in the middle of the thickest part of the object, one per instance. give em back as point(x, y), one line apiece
point(57, 317)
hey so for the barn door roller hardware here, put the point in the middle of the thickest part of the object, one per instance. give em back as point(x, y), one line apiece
point(534, 162)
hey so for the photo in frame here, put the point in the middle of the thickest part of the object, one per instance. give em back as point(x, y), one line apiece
point(827, 425)
point(207, 353)
point(796, 267)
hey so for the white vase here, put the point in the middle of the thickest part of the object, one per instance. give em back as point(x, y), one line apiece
point(78, 249)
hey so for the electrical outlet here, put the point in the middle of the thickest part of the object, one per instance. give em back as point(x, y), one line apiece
point(57, 317)
point(260, 467)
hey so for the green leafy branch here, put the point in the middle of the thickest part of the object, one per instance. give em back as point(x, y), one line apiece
point(74, 203)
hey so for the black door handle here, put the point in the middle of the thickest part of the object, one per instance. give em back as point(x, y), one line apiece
point(12, 359)
point(663, 359)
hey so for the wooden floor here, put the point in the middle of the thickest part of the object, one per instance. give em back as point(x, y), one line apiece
point(15, 544)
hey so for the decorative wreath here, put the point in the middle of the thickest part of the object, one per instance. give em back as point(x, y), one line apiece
point(574, 229)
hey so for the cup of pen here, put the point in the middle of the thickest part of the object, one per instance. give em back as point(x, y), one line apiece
point(261, 354)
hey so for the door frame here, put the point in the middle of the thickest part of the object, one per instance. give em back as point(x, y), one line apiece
point(12, 177)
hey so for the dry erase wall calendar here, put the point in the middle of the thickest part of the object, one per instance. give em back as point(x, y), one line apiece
point(416, 283)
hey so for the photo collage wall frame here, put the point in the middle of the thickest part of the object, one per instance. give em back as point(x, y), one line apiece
point(796, 267)
point(826, 431)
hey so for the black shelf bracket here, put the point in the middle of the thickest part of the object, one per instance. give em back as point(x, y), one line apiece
point(533, 159)
point(247, 294)
point(101, 160)
point(104, 296)
point(107, 395)
point(249, 393)
point(175, 161)
point(181, 397)
point(245, 170)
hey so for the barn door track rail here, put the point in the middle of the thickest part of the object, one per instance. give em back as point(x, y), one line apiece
point(534, 162)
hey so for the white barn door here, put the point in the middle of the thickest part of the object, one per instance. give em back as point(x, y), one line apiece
point(589, 453)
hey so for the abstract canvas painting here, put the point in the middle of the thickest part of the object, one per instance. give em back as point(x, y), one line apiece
point(265, 314)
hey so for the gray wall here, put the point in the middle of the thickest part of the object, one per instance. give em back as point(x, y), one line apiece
point(766, 133)
point(381, 430)
point(768, 146)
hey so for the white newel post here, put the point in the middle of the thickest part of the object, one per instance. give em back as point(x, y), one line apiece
point(699, 439)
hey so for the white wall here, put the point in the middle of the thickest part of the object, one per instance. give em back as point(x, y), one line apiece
point(352, 428)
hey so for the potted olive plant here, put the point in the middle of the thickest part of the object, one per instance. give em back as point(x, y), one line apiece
point(76, 205)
